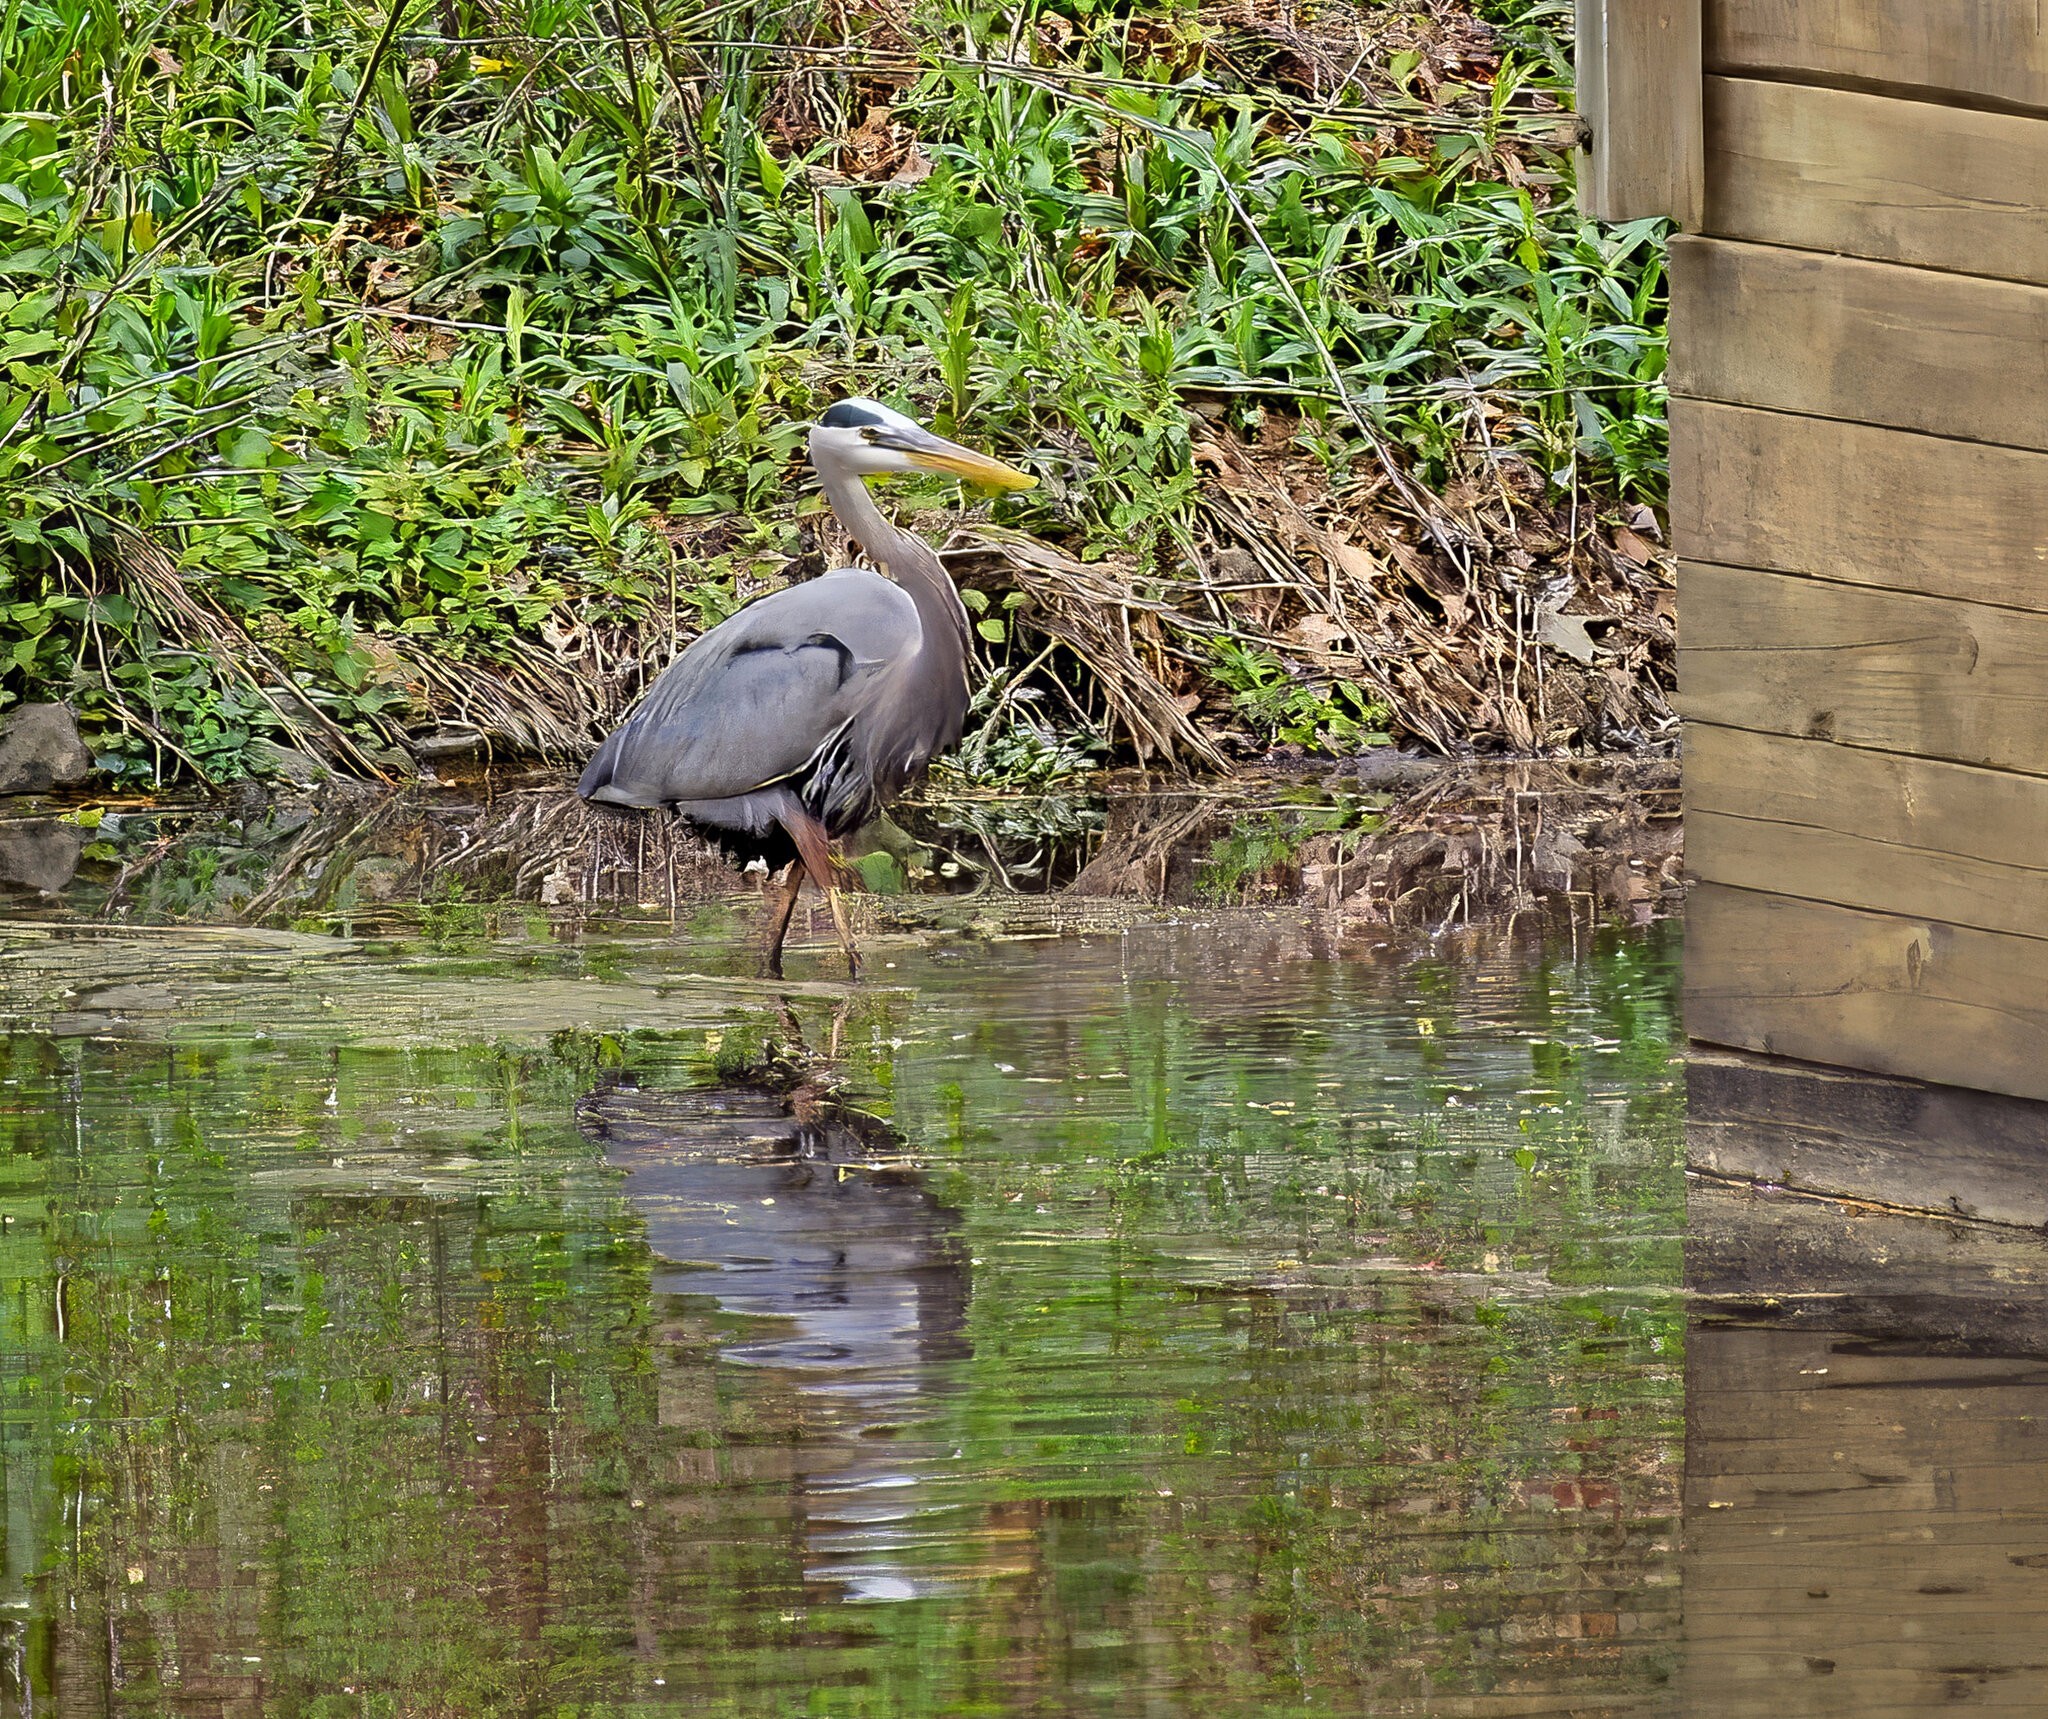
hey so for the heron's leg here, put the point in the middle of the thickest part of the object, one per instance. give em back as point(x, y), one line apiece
point(778, 921)
point(814, 849)
point(832, 895)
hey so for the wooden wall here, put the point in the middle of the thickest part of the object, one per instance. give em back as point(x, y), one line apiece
point(1906, 1145)
point(1859, 445)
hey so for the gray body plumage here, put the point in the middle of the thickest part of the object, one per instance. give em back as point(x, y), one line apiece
point(829, 696)
point(795, 721)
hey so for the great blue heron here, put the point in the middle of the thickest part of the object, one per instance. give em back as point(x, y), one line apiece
point(792, 723)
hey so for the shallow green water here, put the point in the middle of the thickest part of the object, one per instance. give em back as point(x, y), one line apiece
point(1241, 1326)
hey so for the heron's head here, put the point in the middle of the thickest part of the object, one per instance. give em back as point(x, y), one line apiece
point(866, 439)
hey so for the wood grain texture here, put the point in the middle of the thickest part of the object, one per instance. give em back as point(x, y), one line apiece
point(1643, 151)
point(1884, 992)
point(1902, 1143)
point(1838, 337)
point(1917, 675)
point(1867, 829)
point(1901, 673)
point(1994, 50)
point(1901, 181)
point(1862, 1528)
point(1857, 503)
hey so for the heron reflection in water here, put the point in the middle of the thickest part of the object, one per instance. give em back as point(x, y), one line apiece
point(859, 1274)
point(791, 725)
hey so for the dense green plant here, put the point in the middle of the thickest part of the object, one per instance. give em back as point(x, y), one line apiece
point(425, 336)
point(1012, 745)
point(1321, 715)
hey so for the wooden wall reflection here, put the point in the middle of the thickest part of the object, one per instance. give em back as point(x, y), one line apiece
point(1866, 1476)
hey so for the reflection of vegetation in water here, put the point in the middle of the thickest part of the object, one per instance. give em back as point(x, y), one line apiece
point(341, 1368)
point(1262, 843)
point(1357, 1464)
point(1008, 800)
point(1033, 841)
point(150, 869)
point(449, 920)
point(274, 1408)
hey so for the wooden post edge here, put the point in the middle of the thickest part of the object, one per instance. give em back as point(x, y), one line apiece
point(1642, 140)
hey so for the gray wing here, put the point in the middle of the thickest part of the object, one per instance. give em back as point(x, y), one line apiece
point(753, 700)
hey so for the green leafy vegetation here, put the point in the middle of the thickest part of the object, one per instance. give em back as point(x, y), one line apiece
point(368, 369)
point(1337, 716)
point(1012, 746)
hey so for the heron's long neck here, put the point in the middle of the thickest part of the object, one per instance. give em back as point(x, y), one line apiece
point(910, 562)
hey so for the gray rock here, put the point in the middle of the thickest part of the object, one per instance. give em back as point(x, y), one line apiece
point(40, 749)
point(446, 743)
point(1554, 856)
point(1390, 767)
point(40, 853)
point(285, 764)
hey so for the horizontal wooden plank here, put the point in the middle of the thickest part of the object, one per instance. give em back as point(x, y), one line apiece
point(1902, 1143)
point(1851, 1366)
point(1838, 337)
point(1820, 864)
point(1639, 94)
point(1914, 182)
point(1993, 50)
point(1828, 1266)
point(1858, 503)
point(1924, 676)
point(1868, 829)
point(1912, 804)
point(1883, 992)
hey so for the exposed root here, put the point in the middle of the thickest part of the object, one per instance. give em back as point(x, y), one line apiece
point(194, 621)
point(534, 702)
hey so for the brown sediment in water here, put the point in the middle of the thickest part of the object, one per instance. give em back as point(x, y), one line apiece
point(1455, 844)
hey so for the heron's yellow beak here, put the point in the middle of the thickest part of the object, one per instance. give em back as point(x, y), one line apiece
point(936, 454)
point(975, 468)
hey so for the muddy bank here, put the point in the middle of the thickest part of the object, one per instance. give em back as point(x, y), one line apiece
point(1388, 841)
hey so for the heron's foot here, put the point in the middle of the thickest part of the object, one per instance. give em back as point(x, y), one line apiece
point(844, 930)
